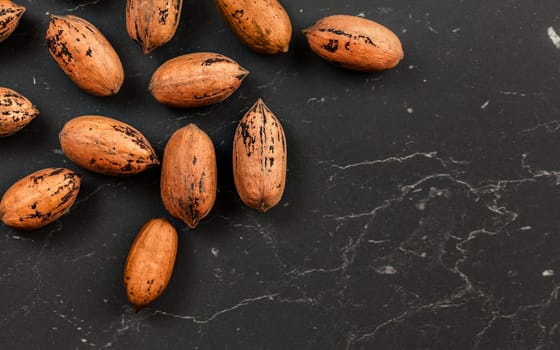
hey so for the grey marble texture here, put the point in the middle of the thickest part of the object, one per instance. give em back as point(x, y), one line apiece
point(421, 206)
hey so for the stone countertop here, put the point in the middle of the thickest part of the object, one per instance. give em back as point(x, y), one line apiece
point(421, 206)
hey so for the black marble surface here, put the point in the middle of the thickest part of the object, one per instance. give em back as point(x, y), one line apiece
point(421, 207)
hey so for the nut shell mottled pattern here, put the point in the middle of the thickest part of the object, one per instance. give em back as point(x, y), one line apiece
point(150, 261)
point(264, 26)
point(39, 198)
point(189, 177)
point(10, 15)
point(196, 80)
point(259, 158)
point(16, 112)
point(85, 55)
point(152, 23)
point(355, 43)
point(106, 146)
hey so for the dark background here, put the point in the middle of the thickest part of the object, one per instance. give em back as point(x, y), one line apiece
point(421, 206)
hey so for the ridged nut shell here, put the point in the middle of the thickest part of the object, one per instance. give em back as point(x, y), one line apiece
point(150, 262)
point(196, 80)
point(152, 23)
point(10, 14)
point(189, 177)
point(106, 146)
point(259, 158)
point(355, 43)
point(16, 112)
point(85, 55)
point(264, 26)
point(39, 198)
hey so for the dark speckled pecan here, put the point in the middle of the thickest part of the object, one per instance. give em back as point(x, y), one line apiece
point(152, 23)
point(355, 43)
point(16, 112)
point(39, 198)
point(10, 14)
point(259, 158)
point(106, 146)
point(85, 55)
